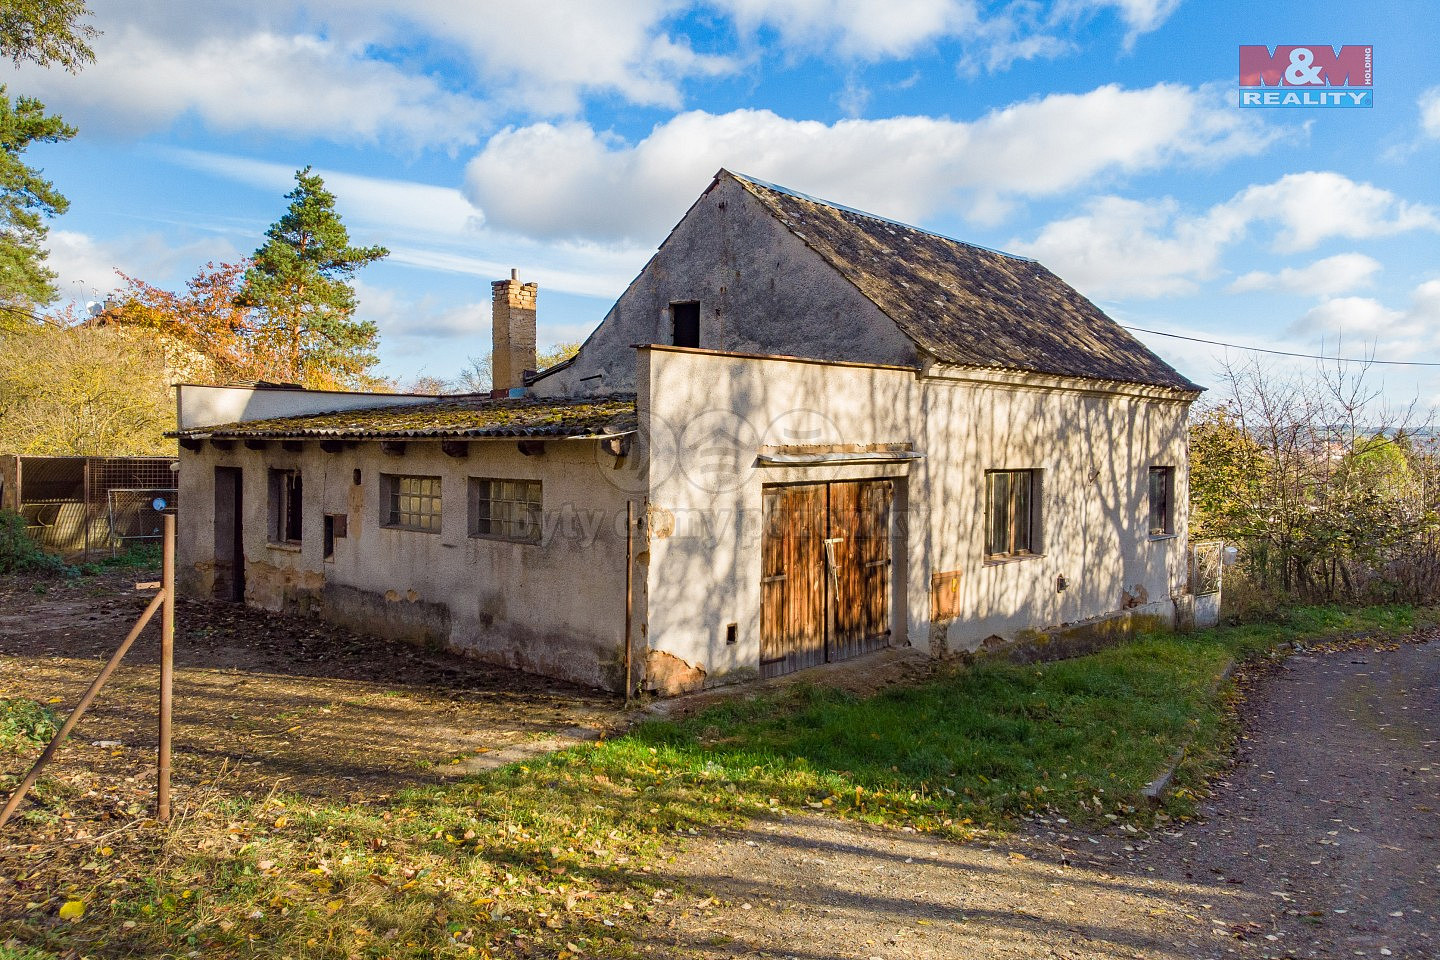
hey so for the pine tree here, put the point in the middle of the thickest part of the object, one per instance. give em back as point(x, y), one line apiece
point(299, 281)
point(26, 200)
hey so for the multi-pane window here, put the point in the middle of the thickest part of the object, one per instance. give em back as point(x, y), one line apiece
point(410, 502)
point(505, 509)
point(1011, 513)
point(285, 506)
point(1162, 501)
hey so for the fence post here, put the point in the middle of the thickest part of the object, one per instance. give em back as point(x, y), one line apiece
point(167, 670)
point(80, 709)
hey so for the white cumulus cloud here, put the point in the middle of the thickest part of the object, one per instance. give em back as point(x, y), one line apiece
point(295, 84)
point(1323, 278)
point(1430, 112)
point(1416, 326)
point(1319, 205)
point(568, 179)
point(1129, 248)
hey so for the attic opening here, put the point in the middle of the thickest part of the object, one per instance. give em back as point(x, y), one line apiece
point(685, 323)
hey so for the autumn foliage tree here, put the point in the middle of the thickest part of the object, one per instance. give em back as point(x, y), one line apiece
point(206, 326)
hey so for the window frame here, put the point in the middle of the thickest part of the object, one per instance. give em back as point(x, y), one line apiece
point(1033, 545)
point(532, 500)
point(286, 500)
point(1167, 526)
point(425, 503)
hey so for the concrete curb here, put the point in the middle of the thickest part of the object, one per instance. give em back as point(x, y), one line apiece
point(1157, 788)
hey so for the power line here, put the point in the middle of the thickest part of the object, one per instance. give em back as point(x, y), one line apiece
point(1287, 353)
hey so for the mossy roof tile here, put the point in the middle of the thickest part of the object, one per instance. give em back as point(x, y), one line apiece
point(467, 416)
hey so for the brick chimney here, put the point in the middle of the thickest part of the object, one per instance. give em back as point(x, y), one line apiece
point(513, 319)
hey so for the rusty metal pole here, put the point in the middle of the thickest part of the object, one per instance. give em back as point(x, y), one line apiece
point(629, 593)
point(167, 670)
point(85, 505)
point(79, 711)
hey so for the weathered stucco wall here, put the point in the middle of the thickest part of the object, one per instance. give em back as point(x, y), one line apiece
point(1095, 448)
point(554, 608)
point(708, 417)
point(760, 289)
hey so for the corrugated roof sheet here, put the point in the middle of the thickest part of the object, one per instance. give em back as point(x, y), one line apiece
point(966, 304)
point(469, 416)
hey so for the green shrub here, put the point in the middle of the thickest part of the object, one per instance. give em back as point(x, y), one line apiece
point(25, 723)
point(19, 553)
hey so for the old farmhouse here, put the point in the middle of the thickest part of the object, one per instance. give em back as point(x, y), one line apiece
point(802, 433)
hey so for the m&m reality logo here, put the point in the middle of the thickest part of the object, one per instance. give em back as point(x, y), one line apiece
point(1310, 75)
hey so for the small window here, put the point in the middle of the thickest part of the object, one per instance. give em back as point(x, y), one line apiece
point(1162, 501)
point(505, 509)
point(334, 529)
point(286, 500)
point(1012, 513)
point(685, 319)
point(410, 503)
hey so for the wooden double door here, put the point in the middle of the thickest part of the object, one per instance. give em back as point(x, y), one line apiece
point(826, 573)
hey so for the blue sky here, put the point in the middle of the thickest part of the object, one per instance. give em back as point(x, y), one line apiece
point(1102, 137)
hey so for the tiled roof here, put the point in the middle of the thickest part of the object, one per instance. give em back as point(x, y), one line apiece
point(467, 416)
point(966, 304)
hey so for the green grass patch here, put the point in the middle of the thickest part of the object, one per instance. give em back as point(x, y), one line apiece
point(561, 855)
point(137, 556)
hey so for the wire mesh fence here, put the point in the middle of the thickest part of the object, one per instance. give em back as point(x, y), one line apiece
point(137, 514)
point(1205, 567)
point(68, 507)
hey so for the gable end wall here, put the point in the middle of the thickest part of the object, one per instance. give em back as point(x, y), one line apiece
point(761, 291)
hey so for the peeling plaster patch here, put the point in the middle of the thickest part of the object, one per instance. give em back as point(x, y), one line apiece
point(668, 675)
point(1136, 596)
point(660, 523)
point(281, 588)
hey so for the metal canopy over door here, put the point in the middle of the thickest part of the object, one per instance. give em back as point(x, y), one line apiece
point(825, 587)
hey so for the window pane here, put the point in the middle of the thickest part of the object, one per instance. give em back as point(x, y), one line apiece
point(1160, 480)
point(503, 508)
point(1020, 511)
point(999, 513)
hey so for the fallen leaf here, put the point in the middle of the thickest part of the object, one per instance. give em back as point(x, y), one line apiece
point(72, 910)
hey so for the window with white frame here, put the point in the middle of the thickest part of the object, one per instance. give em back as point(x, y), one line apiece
point(410, 502)
point(505, 509)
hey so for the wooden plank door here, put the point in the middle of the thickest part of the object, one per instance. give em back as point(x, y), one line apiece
point(792, 599)
point(859, 553)
point(825, 574)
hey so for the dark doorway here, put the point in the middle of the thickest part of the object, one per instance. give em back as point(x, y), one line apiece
point(229, 539)
point(686, 320)
point(825, 587)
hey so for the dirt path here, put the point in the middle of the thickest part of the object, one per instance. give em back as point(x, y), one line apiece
point(1323, 842)
point(262, 698)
